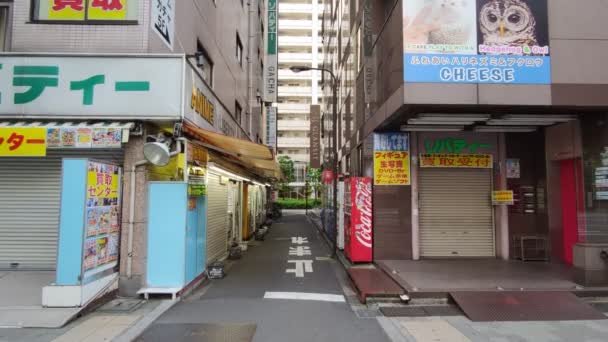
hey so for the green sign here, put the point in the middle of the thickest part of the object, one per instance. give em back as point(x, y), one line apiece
point(272, 27)
point(197, 189)
point(453, 145)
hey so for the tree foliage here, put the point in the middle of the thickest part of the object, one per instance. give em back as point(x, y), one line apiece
point(289, 171)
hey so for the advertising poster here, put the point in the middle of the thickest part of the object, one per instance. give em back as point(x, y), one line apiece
point(84, 137)
point(102, 219)
point(391, 159)
point(476, 41)
point(68, 137)
point(513, 168)
point(53, 137)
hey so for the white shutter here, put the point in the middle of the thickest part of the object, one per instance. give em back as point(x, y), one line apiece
point(456, 216)
point(217, 218)
point(30, 195)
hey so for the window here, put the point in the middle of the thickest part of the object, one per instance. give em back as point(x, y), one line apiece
point(4, 28)
point(238, 112)
point(239, 50)
point(207, 66)
point(85, 11)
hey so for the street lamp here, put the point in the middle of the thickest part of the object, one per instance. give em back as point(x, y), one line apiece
point(334, 145)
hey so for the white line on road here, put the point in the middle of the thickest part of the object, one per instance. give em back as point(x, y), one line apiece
point(301, 266)
point(323, 297)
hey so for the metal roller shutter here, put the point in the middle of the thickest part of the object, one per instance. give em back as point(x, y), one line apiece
point(30, 191)
point(217, 218)
point(456, 216)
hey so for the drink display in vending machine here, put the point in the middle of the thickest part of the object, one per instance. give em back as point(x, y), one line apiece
point(358, 219)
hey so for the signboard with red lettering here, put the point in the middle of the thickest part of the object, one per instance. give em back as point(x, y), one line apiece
point(481, 161)
point(22, 142)
point(102, 225)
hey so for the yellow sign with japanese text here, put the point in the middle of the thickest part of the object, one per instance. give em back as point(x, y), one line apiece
point(481, 161)
point(502, 197)
point(22, 142)
point(66, 10)
point(107, 9)
point(102, 183)
point(392, 168)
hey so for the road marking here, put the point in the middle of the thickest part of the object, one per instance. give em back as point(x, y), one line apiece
point(301, 267)
point(300, 251)
point(299, 240)
point(323, 297)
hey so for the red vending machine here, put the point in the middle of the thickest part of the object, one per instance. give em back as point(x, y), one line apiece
point(358, 219)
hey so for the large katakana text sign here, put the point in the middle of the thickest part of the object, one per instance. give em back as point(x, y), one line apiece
point(22, 142)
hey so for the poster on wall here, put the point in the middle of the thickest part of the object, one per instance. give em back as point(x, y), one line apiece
point(391, 159)
point(513, 168)
point(102, 222)
point(476, 41)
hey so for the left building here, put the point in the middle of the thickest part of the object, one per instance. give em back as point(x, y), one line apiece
point(87, 85)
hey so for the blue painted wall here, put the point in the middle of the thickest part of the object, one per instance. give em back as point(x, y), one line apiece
point(71, 222)
point(167, 210)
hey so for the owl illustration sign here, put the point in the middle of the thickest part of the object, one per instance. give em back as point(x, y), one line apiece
point(476, 41)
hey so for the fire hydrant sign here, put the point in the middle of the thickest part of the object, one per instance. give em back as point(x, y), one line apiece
point(22, 142)
point(502, 197)
point(391, 159)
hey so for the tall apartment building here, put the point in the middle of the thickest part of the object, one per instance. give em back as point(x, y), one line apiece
point(120, 74)
point(299, 44)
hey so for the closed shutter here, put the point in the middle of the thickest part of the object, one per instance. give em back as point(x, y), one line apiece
point(456, 217)
point(217, 218)
point(30, 195)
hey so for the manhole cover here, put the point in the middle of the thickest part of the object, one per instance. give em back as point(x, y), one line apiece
point(121, 305)
point(206, 332)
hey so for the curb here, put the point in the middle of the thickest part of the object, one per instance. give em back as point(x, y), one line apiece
point(138, 328)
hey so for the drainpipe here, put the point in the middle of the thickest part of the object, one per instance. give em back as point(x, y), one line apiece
point(178, 149)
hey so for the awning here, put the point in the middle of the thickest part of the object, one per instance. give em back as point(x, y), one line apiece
point(68, 124)
point(258, 157)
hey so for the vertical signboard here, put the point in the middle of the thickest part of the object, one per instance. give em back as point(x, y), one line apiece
point(391, 159)
point(315, 136)
point(369, 62)
point(102, 224)
point(271, 127)
point(271, 61)
point(163, 20)
point(476, 41)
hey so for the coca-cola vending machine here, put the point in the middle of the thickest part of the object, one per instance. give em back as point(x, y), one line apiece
point(358, 219)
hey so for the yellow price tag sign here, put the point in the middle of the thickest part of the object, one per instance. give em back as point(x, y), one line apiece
point(22, 142)
point(502, 197)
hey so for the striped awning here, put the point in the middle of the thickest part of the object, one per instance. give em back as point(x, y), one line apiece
point(68, 124)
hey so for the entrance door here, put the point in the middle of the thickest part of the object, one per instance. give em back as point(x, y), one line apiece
point(571, 199)
point(456, 216)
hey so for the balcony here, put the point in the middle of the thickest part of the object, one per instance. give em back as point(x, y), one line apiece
point(288, 74)
point(295, 40)
point(293, 125)
point(290, 24)
point(283, 142)
point(285, 57)
point(295, 8)
point(295, 108)
point(295, 91)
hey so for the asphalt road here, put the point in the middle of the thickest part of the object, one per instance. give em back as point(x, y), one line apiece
point(235, 308)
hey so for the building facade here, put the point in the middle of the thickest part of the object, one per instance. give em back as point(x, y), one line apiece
point(299, 45)
point(447, 119)
point(96, 82)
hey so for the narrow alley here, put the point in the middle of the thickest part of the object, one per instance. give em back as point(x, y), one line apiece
point(293, 262)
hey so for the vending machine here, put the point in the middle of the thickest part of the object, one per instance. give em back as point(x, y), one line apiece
point(358, 220)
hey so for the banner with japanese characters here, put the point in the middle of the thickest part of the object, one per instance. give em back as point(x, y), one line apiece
point(22, 142)
point(102, 220)
point(163, 20)
point(82, 10)
point(476, 41)
point(482, 161)
point(46, 87)
point(391, 159)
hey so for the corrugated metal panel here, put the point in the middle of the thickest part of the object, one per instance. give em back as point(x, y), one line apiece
point(456, 217)
point(217, 218)
point(30, 191)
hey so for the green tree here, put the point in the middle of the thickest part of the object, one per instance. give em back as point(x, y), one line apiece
point(288, 169)
point(314, 179)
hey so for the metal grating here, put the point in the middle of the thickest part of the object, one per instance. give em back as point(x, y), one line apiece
point(524, 306)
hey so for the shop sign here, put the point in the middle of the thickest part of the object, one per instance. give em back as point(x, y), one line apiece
point(89, 86)
point(102, 233)
point(163, 20)
point(22, 142)
point(502, 197)
point(196, 153)
point(483, 161)
point(453, 145)
point(271, 127)
point(391, 159)
point(315, 136)
point(80, 10)
point(197, 189)
point(201, 105)
point(271, 60)
point(476, 41)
